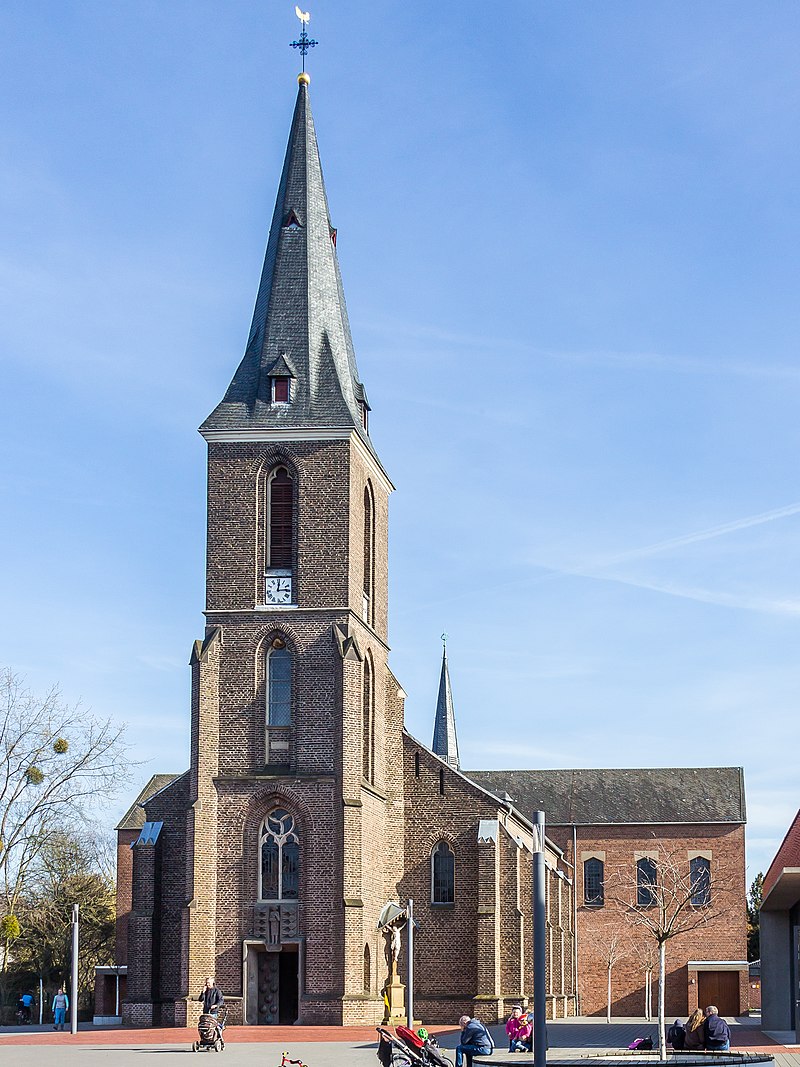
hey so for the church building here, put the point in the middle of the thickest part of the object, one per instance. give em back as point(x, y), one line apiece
point(307, 806)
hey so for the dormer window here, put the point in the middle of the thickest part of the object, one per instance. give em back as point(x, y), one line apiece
point(281, 393)
point(365, 417)
point(292, 222)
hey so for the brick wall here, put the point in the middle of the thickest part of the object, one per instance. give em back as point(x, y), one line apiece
point(476, 956)
point(125, 839)
point(724, 938)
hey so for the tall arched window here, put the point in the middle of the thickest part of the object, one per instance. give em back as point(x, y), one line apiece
point(646, 882)
point(593, 893)
point(367, 723)
point(280, 857)
point(279, 684)
point(368, 602)
point(443, 874)
point(280, 519)
point(700, 876)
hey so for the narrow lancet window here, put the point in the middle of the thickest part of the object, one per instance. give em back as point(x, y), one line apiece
point(700, 875)
point(443, 874)
point(593, 894)
point(646, 882)
point(279, 684)
point(368, 599)
point(367, 725)
point(280, 533)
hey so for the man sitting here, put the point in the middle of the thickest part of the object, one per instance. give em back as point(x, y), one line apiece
point(716, 1032)
point(475, 1041)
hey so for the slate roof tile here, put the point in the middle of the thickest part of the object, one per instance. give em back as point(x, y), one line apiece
point(636, 796)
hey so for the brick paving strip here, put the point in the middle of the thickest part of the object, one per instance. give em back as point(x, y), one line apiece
point(577, 1040)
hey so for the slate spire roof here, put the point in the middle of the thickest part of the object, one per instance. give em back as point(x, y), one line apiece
point(300, 328)
point(445, 739)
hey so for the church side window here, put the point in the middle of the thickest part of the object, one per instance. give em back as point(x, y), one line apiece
point(367, 723)
point(593, 893)
point(280, 519)
point(443, 874)
point(646, 881)
point(368, 597)
point(279, 684)
point(700, 877)
point(280, 857)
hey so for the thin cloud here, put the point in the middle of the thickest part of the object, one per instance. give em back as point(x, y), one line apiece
point(701, 535)
point(392, 330)
point(765, 605)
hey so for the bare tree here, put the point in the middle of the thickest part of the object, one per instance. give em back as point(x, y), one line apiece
point(665, 898)
point(645, 949)
point(614, 950)
point(57, 765)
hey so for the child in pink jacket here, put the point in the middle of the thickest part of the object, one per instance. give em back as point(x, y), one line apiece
point(515, 1024)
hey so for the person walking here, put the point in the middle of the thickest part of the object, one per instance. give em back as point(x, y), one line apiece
point(475, 1041)
point(60, 1008)
point(716, 1032)
point(211, 997)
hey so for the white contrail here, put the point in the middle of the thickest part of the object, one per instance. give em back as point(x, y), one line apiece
point(702, 535)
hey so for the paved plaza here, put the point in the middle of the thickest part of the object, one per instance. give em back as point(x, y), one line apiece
point(318, 1047)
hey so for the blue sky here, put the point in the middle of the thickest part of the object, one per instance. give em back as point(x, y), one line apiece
point(569, 240)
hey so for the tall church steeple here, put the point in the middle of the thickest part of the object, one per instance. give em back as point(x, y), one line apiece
point(445, 739)
point(299, 368)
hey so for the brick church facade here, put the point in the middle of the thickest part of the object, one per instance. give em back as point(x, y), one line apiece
point(307, 806)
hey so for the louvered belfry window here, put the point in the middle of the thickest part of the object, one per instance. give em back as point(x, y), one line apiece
point(281, 515)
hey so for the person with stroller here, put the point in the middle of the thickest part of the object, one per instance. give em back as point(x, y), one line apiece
point(211, 997)
point(475, 1041)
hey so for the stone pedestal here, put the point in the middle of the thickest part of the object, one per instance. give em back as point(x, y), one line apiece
point(396, 996)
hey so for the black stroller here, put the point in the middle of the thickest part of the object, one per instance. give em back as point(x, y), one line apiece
point(407, 1049)
point(209, 1032)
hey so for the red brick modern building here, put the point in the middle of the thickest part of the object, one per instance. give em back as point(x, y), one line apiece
point(307, 806)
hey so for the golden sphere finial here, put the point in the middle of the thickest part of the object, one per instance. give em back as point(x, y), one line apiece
point(303, 79)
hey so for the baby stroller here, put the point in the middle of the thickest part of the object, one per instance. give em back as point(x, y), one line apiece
point(407, 1049)
point(209, 1032)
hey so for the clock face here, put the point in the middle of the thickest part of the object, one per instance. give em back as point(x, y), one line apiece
point(278, 590)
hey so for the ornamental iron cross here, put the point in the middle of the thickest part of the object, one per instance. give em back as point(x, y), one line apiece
point(305, 42)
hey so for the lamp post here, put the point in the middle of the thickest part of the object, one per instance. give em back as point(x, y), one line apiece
point(410, 950)
point(73, 1004)
point(539, 943)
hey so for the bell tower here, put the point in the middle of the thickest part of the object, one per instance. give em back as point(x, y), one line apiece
point(296, 769)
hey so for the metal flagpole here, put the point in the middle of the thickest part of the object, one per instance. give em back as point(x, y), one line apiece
point(410, 950)
point(539, 943)
point(73, 1004)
